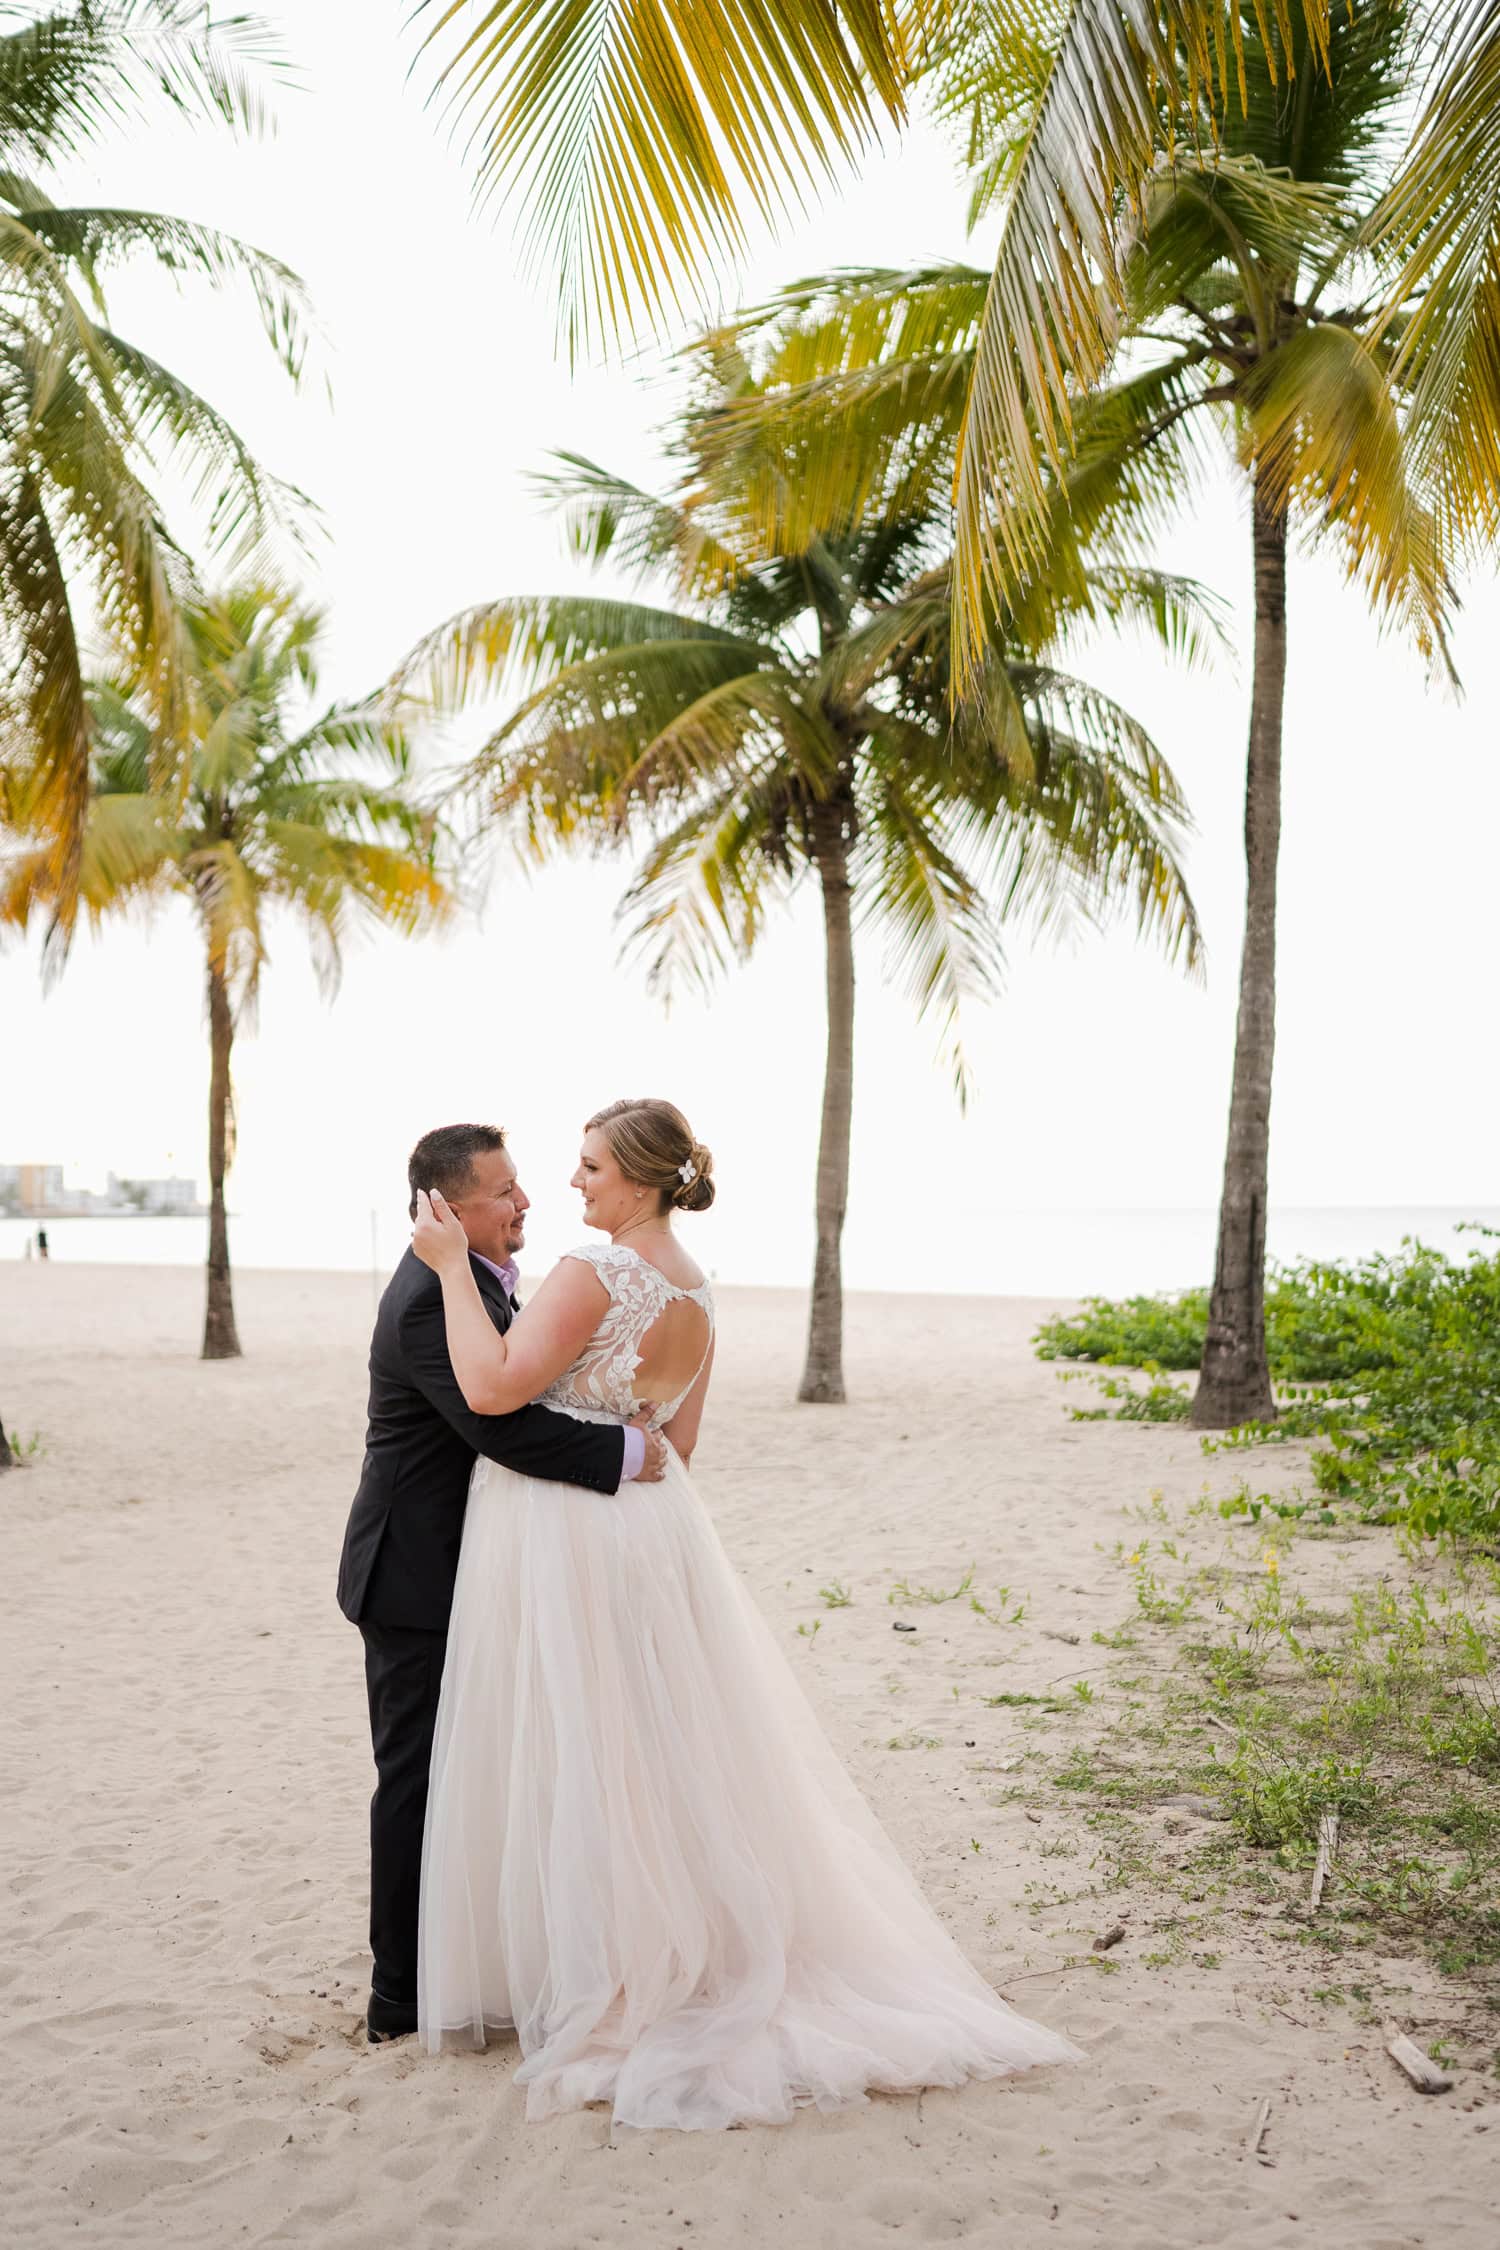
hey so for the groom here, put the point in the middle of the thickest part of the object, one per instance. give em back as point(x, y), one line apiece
point(401, 1546)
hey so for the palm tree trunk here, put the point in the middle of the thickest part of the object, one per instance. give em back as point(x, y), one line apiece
point(220, 1339)
point(1234, 1382)
point(823, 1376)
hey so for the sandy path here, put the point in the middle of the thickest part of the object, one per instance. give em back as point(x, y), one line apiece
point(186, 1771)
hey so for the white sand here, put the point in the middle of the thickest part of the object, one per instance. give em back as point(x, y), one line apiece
point(187, 1771)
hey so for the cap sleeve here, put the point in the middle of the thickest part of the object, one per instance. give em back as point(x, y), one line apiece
point(605, 1258)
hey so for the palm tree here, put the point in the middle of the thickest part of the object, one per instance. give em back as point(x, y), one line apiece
point(1255, 313)
point(1249, 282)
point(788, 719)
point(87, 417)
point(274, 814)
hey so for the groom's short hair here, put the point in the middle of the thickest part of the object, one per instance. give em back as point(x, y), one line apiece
point(444, 1159)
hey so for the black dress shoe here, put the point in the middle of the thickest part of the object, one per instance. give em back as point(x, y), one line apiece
point(389, 2019)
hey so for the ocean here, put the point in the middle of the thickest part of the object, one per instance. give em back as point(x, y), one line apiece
point(1005, 1252)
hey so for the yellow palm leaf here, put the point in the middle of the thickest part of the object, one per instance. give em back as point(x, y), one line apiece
point(638, 134)
point(1052, 317)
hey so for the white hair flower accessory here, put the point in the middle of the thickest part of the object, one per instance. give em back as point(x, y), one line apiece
point(687, 1173)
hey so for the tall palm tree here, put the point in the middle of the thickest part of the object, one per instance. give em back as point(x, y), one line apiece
point(788, 719)
point(1256, 315)
point(88, 418)
point(1250, 285)
point(277, 813)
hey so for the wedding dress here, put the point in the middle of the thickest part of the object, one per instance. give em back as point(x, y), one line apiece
point(641, 1850)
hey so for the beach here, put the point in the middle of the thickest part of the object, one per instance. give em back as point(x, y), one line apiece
point(187, 1771)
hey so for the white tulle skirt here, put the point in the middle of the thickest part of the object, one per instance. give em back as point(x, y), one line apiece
point(642, 1852)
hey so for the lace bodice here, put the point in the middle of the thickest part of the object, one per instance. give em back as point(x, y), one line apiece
point(599, 1386)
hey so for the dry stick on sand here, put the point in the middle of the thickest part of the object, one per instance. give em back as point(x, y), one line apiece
point(1029, 1976)
point(1419, 2068)
point(1257, 2132)
point(1328, 1844)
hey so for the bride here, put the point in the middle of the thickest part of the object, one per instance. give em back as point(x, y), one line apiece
point(641, 1850)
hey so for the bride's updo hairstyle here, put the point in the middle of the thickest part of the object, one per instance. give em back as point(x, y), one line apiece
point(653, 1144)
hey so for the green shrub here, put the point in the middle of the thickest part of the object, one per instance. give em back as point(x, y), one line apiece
point(1274, 1802)
point(1167, 1331)
point(1393, 1362)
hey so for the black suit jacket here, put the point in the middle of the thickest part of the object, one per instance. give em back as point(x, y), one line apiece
point(401, 1545)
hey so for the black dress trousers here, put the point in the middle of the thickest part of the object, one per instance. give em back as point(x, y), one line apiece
point(403, 1677)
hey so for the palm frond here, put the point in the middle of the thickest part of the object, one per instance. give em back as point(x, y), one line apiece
point(129, 854)
point(1324, 428)
point(54, 336)
point(172, 422)
point(1052, 315)
point(1098, 815)
point(629, 735)
point(986, 83)
point(96, 239)
point(854, 413)
point(899, 637)
point(608, 517)
point(1202, 210)
point(77, 72)
point(369, 730)
point(1193, 624)
point(228, 902)
point(317, 866)
point(637, 134)
point(1441, 218)
point(47, 706)
point(1139, 450)
point(142, 582)
point(944, 943)
point(505, 645)
point(701, 896)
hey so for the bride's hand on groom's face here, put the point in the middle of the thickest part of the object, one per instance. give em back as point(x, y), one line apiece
point(438, 1237)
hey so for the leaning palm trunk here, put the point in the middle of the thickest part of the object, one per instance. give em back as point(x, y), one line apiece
point(220, 1339)
point(1234, 1383)
point(823, 1376)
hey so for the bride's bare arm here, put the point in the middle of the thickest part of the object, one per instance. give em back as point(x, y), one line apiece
point(683, 1427)
point(499, 1373)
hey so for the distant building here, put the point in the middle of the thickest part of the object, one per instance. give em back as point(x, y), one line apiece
point(36, 1191)
point(172, 1197)
point(39, 1188)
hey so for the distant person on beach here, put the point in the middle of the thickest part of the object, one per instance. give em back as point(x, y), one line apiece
point(642, 1852)
point(401, 1545)
point(41, 1243)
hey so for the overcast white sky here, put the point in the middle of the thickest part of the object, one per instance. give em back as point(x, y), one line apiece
point(1101, 1074)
